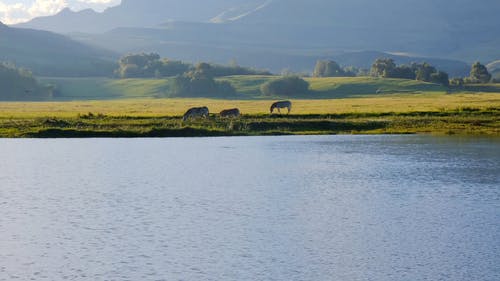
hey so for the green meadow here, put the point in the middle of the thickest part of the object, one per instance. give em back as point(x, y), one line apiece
point(247, 87)
point(471, 114)
point(102, 107)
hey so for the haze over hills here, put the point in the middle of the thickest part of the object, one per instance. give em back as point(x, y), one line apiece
point(494, 69)
point(136, 13)
point(50, 54)
point(277, 34)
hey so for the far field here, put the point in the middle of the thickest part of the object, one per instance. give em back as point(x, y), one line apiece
point(401, 103)
point(247, 87)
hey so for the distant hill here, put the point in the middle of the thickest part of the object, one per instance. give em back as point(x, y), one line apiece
point(277, 30)
point(494, 65)
point(460, 29)
point(49, 54)
point(135, 13)
point(188, 45)
point(19, 84)
point(494, 69)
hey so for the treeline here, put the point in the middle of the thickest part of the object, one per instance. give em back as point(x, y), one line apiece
point(296, 86)
point(479, 74)
point(153, 66)
point(384, 68)
point(387, 68)
point(188, 80)
point(329, 68)
point(19, 84)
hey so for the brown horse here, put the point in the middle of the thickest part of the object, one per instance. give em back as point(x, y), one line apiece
point(281, 104)
point(196, 112)
point(234, 112)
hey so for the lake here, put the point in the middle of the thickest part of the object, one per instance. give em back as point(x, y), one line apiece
point(251, 208)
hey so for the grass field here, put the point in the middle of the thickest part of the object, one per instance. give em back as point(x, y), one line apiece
point(100, 107)
point(402, 103)
point(248, 87)
point(401, 113)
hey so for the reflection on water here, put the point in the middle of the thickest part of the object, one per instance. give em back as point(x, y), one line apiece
point(278, 208)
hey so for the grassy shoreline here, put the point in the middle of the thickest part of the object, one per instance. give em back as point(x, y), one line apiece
point(464, 122)
point(463, 114)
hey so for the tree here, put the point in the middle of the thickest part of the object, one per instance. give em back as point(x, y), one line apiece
point(149, 66)
point(404, 72)
point(386, 68)
point(200, 83)
point(440, 77)
point(138, 65)
point(479, 73)
point(141, 60)
point(170, 68)
point(289, 86)
point(383, 67)
point(424, 72)
point(19, 84)
point(351, 71)
point(457, 82)
point(328, 69)
point(204, 68)
point(234, 69)
point(152, 66)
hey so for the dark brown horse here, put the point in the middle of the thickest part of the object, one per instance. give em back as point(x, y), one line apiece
point(234, 112)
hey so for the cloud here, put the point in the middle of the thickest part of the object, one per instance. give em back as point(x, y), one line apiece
point(21, 12)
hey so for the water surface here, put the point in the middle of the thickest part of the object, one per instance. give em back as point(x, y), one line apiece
point(251, 208)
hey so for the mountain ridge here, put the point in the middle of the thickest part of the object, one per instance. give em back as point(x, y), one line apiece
point(127, 15)
point(426, 28)
point(50, 54)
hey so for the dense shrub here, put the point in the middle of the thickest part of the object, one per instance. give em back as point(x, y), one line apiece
point(200, 82)
point(152, 66)
point(425, 72)
point(230, 70)
point(289, 86)
point(19, 84)
point(457, 82)
point(479, 74)
point(149, 66)
point(329, 68)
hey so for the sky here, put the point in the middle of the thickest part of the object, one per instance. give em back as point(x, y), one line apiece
point(15, 11)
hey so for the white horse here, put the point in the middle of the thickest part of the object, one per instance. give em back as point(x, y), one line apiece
point(281, 104)
point(196, 112)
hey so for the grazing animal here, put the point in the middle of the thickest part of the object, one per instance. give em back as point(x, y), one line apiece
point(281, 104)
point(234, 112)
point(196, 112)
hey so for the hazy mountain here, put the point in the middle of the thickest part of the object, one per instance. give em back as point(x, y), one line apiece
point(136, 13)
point(278, 30)
point(185, 44)
point(494, 65)
point(50, 54)
point(386, 14)
point(494, 69)
point(462, 29)
point(18, 84)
